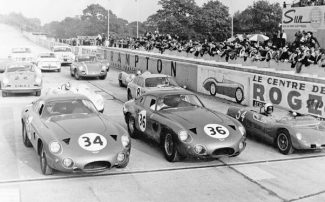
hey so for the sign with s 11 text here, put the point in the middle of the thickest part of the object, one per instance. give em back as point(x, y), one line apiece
point(300, 96)
point(309, 18)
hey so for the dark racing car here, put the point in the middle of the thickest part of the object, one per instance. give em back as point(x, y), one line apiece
point(70, 135)
point(287, 130)
point(178, 120)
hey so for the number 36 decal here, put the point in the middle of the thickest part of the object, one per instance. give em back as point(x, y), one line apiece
point(92, 142)
point(216, 131)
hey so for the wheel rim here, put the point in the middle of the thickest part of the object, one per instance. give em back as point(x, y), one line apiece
point(213, 89)
point(283, 141)
point(239, 94)
point(169, 144)
point(131, 125)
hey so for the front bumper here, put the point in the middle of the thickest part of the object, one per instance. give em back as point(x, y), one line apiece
point(213, 150)
point(92, 75)
point(87, 164)
point(50, 67)
point(21, 89)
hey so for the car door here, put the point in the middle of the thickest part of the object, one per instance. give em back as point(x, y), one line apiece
point(143, 114)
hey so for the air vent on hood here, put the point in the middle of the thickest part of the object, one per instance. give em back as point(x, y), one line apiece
point(114, 137)
point(232, 126)
point(67, 140)
point(193, 130)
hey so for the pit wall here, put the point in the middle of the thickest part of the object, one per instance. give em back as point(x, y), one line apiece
point(304, 93)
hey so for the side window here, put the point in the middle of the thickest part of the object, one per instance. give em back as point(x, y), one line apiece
point(150, 102)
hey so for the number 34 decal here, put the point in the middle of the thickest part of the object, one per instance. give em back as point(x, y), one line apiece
point(92, 142)
point(240, 116)
point(216, 131)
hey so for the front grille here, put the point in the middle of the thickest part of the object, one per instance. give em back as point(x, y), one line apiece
point(224, 151)
point(97, 166)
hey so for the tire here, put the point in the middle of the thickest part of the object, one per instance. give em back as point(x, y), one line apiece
point(76, 74)
point(130, 122)
point(169, 147)
point(239, 95)
point(71, 72)
point(120, 83)
point(46, 170)
point(103, 77)
point(125, 163)
point(283, 142)
point(129, 95)
point(26, 140)
point(38, 93)
point(213, 89)
point(4, 94)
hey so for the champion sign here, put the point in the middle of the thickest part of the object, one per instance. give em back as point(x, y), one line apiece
point(300, 96)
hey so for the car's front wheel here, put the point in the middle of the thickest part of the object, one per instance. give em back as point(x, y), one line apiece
point(239, 95)
point(26, 140)
point(103, 77)
point(213, 89)
point(129, 95)
point(46, 169)
point(76, 74)
point(120, 83)
point(131, 126)
point(283, 142)
point(170, 147)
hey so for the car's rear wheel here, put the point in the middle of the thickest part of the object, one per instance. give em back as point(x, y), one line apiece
point(4, 94)
point(131, 126)
point(76, 74)
point(170, 147)
point(46, 169)
point(129, 95)
point(213, 89)
point(239, 95)
point(26, 140)
point(283, 142)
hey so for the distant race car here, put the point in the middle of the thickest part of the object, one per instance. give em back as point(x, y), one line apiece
point(224, 87)
point(147, 82)
point(64, 54)
point(124, 78)
point(70, 135)
point(21, 77)
point(82, 89)
point(48, 61)
point(178, 120)
point(287, 130)
point(21, 54)
point(88, 66)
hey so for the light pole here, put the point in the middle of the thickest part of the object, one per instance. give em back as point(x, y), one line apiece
point(108, 22)
point(232, 25)
point(137, 18)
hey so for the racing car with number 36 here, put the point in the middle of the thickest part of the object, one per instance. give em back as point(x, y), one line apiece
point(286, 129)
point(178, 120)
point(70, 135)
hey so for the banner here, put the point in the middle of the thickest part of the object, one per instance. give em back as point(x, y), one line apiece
point(310, 18)
point(300, 96)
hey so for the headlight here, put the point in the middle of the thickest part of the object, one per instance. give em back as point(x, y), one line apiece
point(241, 145)
point(125, 141)
point(55, 147)
point(242, 130)
point(82, 68)
point(199, 149)
point(5, 81)
point(183, 135)
point(38, 80)
point(104, 68)
point(120, 157)
point(299, 136)
point(68, 163)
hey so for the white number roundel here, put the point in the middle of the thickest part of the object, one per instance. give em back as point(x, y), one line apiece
point(142, 120)
point(92, 142)
point(216, 131)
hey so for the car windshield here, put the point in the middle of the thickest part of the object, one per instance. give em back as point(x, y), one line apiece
point(20, 68)
point(87, 59)
point(160, 82)
point(62, 49)
point(68, 107)
point(178, 101)
point(20, 50)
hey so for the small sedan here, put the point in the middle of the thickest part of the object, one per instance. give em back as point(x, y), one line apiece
point(22, 54)
point(20, 77)
point(48, 62)
point(70, 135)
point(124, 78)
point(88, 67)
point(179, 122)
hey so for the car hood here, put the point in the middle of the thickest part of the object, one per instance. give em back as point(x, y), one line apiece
point(191, 117)
point(92, 65)
point(75, 125)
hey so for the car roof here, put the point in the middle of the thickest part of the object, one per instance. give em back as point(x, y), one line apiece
point(65, 96)
point(171, 91)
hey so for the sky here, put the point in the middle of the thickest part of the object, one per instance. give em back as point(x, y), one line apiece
point(57, 10)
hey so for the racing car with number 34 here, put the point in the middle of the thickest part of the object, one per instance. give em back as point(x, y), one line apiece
point(286, 129)
point(178, 120)
point(70, 135)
